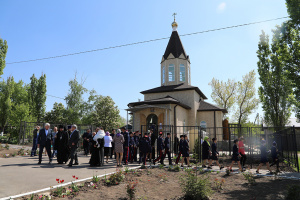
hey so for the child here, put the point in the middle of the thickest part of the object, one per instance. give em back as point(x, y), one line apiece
point(235, 156)
point(160, 148)
point(274, 153)
point(263, 157)
point(185, 151)
point(242, 152)
point(215, 153)
point(131, 147)
point(167, 148)
point(180, 149)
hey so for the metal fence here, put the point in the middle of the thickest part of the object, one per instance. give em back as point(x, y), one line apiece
point(286, 139)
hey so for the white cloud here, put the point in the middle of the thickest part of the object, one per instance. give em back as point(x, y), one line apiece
point(221, 7)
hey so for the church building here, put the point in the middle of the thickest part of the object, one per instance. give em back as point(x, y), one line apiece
point(176, 102)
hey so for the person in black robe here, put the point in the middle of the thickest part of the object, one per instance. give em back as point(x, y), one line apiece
point(86, 137)
point(95, 159)
point(61, 144)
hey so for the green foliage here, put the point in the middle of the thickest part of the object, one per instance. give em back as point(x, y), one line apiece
point(74, 100)
point(293, 192)
point(105, 112)
point(293, 10)
point(249, 177)
point(74, 187)
point(131, 189)
point(161, 166)
point(195, 188)
point(95, 179)
point(114, 179)
point(143, 166)
point(275, 92)
point(6, 90)
point(224, 93)
point(246, 97)
point(37, 96)
point(6, 146)
point(126, 170)
point(196, 150)
point(58, 114)
point(58, 191)
point(3, 51)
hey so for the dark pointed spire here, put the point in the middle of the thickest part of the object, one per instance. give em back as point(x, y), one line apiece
point(175, 46)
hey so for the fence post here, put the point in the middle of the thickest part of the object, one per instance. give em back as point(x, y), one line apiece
point(229, 128)
point(20, 132)
point(200, 145)
point(296, 149)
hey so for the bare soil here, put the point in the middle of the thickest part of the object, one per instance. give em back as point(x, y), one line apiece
point(162, 184)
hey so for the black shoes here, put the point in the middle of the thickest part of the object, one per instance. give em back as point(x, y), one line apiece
point(76, 163)
point(39, 162)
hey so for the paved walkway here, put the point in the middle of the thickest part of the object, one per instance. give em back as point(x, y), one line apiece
point(22, 174)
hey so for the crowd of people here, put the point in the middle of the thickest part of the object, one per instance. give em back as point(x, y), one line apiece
point(124, 146)
point(210, 154)
point(132, 147)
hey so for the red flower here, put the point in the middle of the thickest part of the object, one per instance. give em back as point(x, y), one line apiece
point(76, 177)
point(57, 179)
point(73, 176)
point(62, 181)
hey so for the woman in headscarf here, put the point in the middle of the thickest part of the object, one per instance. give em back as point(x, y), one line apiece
point(206, 152)
point(61, 144)
point(97, 157)
point(107, 145)
point(119, 140)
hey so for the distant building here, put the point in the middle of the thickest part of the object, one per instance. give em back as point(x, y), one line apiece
point(176, 102)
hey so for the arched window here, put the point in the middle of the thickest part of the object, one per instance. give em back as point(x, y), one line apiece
point(182, 73)
point(171, 73)
point(163, 74)
point(203, 125)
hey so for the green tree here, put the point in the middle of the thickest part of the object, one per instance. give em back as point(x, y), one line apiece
point(32, 93)
point(6, 90)
point(293, 8)
point(75, 102)
point(106, 113)
point(20, 105)
point(276, 89)
point(3, 51)
point(58, 114)
point(41, 97)
point(246, 97)
point(224, 93)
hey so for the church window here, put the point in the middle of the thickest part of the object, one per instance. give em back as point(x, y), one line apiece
point(203, 125)
point(171, 73)
point(182, 72)
point(163, 75)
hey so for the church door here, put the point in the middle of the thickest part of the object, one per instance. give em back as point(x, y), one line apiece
point(152, 121)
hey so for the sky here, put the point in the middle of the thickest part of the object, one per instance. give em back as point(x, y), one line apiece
point(36, 29)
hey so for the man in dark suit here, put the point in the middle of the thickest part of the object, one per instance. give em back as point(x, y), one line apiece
point(73, 144)
point(45, 139)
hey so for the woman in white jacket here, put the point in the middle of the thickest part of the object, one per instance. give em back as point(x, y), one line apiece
point(107, 145)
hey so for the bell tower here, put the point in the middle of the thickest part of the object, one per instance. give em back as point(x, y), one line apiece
point(175, 63)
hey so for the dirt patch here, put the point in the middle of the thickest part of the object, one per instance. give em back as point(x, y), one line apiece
point(6, 151)
point(162, 184)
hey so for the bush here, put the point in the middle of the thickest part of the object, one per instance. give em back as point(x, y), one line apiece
point(176, 168)
point(195, 188)
point(249, 177)
point(114, 179)
point(293, 192)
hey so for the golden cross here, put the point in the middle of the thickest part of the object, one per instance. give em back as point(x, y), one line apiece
point(174, 14)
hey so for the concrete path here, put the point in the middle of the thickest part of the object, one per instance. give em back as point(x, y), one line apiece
point(22, 174)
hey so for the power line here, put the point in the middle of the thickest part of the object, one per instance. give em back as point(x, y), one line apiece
point(54, 96)
point(146, 41)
